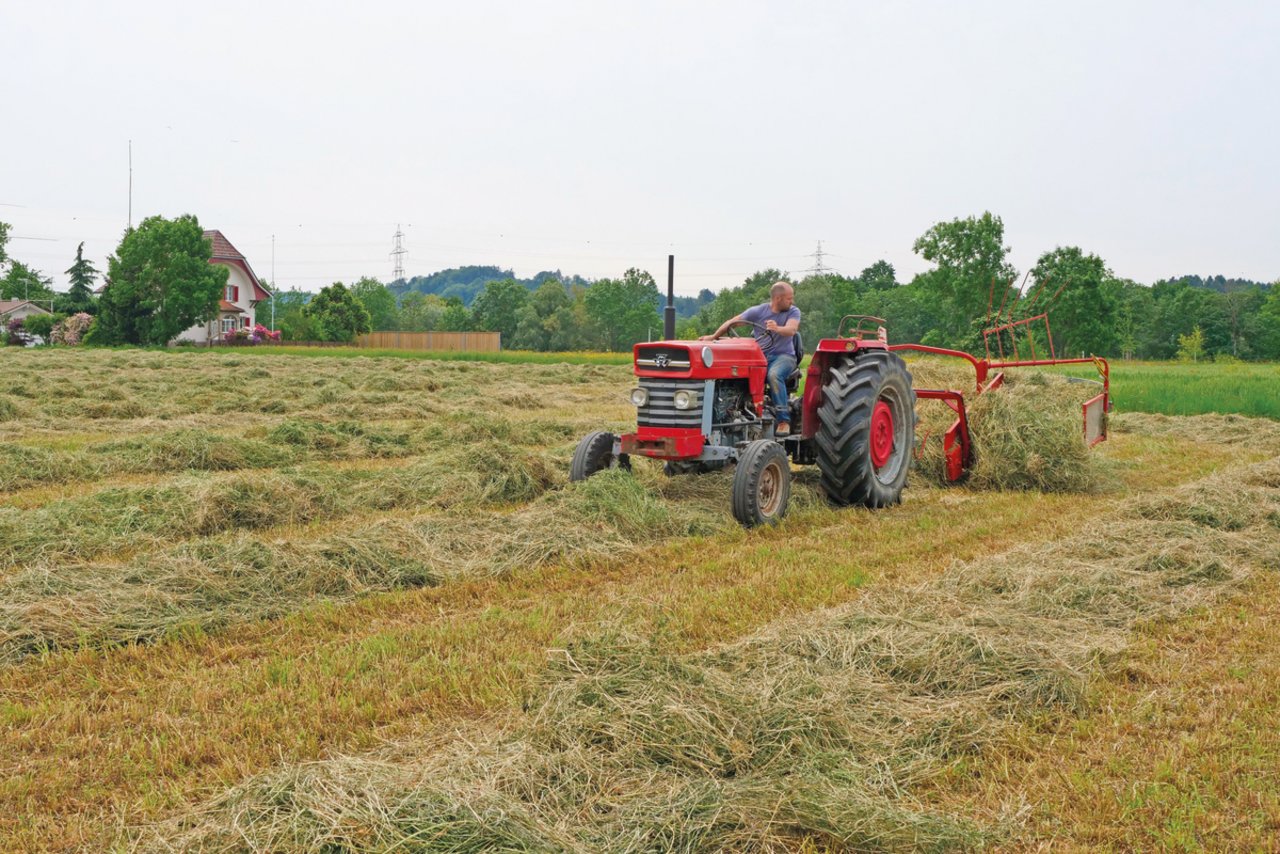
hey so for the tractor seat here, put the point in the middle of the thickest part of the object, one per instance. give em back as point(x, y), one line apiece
point(793, 381)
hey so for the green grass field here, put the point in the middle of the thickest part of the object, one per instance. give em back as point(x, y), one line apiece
point(1178, 388)
point(251, 601)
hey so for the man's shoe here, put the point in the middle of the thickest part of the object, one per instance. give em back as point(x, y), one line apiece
point(782, 429)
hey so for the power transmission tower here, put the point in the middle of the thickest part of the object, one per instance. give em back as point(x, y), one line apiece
point(819, 267)
point(398, 254)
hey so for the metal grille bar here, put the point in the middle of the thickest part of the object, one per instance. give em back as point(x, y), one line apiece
point(661, 410)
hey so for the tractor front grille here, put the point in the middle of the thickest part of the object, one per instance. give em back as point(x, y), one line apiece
point(675, 359)
point(661, 410)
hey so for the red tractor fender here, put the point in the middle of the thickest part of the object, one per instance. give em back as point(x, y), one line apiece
point(830, 351)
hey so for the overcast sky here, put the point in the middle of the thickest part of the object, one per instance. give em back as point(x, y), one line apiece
point(596, 136)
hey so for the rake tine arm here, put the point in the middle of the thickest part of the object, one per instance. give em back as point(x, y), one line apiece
point(1002, 301)
point(1039, 291)
point(1055, 296)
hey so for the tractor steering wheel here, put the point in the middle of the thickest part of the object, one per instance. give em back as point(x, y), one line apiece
point(766, 338)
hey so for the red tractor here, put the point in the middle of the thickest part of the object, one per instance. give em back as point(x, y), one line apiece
point(702, 405)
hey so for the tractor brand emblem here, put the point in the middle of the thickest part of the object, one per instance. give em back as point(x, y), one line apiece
point(735, 370)
point(662, 360)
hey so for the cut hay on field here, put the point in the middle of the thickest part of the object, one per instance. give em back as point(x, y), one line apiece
point(815, 732)
point(211, 581)
point(1225, 429)
point(1027, 434)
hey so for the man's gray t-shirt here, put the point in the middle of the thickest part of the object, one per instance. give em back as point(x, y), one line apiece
point(780, 345)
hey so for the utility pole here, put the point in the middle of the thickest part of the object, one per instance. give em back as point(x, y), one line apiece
point(273, 283)
point(130, 185)
point(398, 254)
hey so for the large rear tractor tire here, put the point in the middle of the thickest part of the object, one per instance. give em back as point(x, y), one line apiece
point(866, 430)
point(761, 484)
point(595, 453)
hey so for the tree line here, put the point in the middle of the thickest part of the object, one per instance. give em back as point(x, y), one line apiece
point(159, 282)
point(972, 285)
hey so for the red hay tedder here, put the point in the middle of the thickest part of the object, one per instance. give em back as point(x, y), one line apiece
point(701, 406)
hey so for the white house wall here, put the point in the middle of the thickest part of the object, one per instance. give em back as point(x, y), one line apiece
point(236, 276)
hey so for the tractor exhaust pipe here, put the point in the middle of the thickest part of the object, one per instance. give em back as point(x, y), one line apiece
point(669, 314)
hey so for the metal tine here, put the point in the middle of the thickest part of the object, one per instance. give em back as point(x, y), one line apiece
point(1038, 289)
point(1023, 294)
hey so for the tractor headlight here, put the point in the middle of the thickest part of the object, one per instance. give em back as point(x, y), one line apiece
point(685, 399)
point(708, 357)
point(639, 396)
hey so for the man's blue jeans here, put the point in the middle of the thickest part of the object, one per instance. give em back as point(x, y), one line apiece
point(781, 366)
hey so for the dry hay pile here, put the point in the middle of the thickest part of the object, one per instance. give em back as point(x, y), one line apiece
point(816, 731)
point(1028, 434)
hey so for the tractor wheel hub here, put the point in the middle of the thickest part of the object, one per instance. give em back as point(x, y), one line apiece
point(881, 434)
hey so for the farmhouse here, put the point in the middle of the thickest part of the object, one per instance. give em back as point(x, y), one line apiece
point(19, 308)
point(244, 291)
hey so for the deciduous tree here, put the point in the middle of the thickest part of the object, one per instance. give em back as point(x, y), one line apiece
point(497, 309)
point(1083, 315)
point(1191, 346)
point(971, 265)
point(24, 282)
point(337, 314)
point(455, 317)
point(159, 283)
point(378, 301)
point(624, 311)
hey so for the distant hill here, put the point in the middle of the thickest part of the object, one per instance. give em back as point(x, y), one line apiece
point(466, 283)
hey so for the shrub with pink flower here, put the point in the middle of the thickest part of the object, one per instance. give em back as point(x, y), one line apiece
point(71, 330)
point(259, 334)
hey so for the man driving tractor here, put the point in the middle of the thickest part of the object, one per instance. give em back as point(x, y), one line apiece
point(780, 317)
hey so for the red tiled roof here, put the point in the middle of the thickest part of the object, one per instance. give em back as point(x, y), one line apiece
point(230, 306)
point(9, 305)
point(224, 251)
point(222, 247)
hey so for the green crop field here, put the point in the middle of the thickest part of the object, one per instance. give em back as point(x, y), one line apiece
point(345, 600)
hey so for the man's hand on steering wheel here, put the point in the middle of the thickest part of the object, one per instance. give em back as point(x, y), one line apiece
point(763, 335)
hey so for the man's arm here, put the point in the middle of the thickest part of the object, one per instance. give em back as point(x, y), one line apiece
point(724, 327)
point(788, 329)
point(791, 327)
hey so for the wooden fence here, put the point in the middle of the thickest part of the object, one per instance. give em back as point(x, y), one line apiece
point(461, 342)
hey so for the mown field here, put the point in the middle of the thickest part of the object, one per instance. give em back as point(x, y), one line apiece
point(269, 602)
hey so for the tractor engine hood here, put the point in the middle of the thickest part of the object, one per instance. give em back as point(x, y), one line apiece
point(723, 359)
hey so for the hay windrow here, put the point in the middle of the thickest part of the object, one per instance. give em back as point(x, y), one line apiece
point(814, 732)
point(234, 576)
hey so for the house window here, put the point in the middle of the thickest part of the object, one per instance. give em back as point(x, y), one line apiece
point(233, 293)
point(244, 322)
point(228, 324)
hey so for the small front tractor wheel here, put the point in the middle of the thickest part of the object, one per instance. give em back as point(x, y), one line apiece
point(866, 430)
point(761, 484)
point(594, 453)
